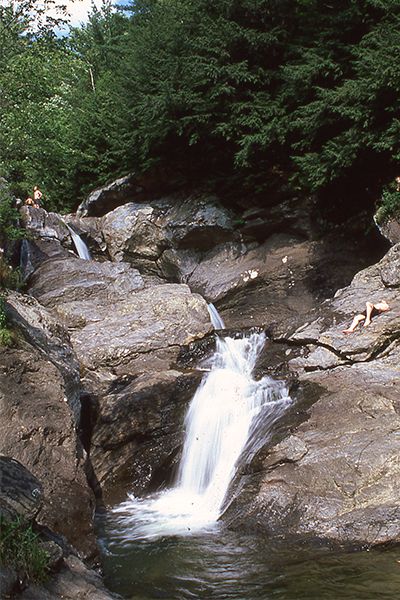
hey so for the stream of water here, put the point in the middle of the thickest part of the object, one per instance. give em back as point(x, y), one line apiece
point(80, 245)
point(170, 545)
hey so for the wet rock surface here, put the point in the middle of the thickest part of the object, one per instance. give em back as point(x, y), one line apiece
point(138, 431)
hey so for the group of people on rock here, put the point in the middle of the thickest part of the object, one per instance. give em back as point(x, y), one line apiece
point(37, 194)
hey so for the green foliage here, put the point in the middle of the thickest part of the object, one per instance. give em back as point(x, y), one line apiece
point(389, 205)
point(21, 549)
point(9, 229)
point(9, 232)
point(235, 94)
point(8, 336)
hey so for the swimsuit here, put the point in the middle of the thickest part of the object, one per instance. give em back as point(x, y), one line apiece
point(374, 312)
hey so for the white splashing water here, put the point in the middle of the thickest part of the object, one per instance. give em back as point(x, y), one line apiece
point(227, 409)
point(80, 245)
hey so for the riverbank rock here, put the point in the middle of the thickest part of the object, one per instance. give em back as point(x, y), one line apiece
point(38, 427)
point(73, 581)
point(336, 475)
point(128, 320)
point(44, 333)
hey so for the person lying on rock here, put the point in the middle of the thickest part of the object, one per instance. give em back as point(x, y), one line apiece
point(369, 313)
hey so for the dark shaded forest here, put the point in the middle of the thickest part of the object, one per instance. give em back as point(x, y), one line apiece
point(238, 97)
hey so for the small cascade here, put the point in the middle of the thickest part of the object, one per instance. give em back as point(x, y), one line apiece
point(25, 262)
point(80, 245)
point(225, 417)
point(215, 317)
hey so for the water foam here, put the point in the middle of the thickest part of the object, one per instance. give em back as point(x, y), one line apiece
point(228, 408)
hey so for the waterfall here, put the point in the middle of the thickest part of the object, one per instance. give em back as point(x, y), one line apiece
point(25, 261)
point(80, 245)
point(215, 317)
point(225, 417)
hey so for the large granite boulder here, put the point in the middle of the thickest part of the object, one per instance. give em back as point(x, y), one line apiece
point(132, 234)
point(105, 199)
point(142, 333)
point(141, 233)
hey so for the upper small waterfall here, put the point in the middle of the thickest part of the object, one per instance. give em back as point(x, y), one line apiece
point(215, 317)
point(226, 415)
point(80, 245)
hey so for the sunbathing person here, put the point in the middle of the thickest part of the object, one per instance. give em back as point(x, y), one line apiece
point(369, 313)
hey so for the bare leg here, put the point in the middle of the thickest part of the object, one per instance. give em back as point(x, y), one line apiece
point(369, 311)
point(357, 319)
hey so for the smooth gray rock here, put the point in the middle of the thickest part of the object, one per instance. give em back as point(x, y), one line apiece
point(141, 233)
point(132, 234)
point(21, 493)
point(59, 283)
point(154, 319)
point(337, 476)
point(44, 224)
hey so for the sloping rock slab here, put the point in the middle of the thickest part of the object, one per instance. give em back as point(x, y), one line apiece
point(256, 285)
point(322, 331)
point(337, 475)
point(46, 334)
point(57, 282)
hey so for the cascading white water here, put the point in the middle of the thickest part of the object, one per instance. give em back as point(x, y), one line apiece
point(80, 245)
point(215, 317)
point(228, 407)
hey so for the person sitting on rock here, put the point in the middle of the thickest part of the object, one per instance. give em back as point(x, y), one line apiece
point(369, 313)
point(29, 202)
